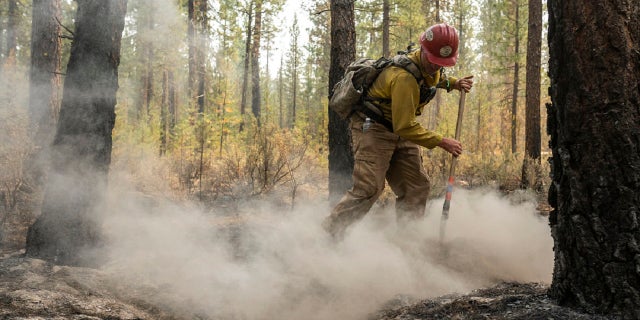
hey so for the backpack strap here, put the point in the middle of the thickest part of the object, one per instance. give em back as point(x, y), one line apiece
point(369, 106)
point(402, 61)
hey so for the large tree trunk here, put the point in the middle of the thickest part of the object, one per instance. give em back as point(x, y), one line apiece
point(44, 103)
point(595, 140)
point(81, 150)
point(343, 52)
point(532, 143)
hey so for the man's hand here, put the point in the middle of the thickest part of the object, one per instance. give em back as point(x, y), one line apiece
point(452, 146)
point(464, 84)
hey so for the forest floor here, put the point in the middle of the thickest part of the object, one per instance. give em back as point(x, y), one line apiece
point(34, 289)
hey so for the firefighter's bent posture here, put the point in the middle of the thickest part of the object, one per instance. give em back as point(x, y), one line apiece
point(381, 154)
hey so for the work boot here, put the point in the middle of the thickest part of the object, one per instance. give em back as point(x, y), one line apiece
point(335, 230)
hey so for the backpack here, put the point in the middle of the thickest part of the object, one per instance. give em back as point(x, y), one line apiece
point(350, 94)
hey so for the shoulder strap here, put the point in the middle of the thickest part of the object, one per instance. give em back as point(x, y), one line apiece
point(405, 63)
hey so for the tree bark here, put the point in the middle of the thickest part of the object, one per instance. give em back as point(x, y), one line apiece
point(343, 52)
point(147, 25)
point(164, 118)
point(11, 39)
point(516, 81)
point(595, 139)
point(295, 66)
point(44, 86)
point(532, 124)
point(245, 72)
point(201, 55)
point(67, 229)
point(385, 29)
point(255, 63)
point(192, 45)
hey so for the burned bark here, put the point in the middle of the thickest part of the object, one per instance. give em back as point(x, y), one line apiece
point(44, 83)
point(81, 150)
point(595, 140)
point(343, 52)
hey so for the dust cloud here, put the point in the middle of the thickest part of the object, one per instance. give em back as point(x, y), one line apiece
point(269, 263)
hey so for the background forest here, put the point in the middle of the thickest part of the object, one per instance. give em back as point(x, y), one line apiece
point(227, 100)
point(184, 151)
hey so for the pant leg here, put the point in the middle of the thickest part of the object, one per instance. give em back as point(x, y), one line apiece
point(409, 181)
point(373, 150)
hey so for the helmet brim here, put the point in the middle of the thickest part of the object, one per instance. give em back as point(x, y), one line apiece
point(443, 62)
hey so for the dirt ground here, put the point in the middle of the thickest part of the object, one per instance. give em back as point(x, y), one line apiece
point(34, 289)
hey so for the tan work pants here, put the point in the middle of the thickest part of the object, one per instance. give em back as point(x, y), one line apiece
point(380, 154)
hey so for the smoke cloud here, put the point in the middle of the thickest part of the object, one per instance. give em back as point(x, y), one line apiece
point(269, 263)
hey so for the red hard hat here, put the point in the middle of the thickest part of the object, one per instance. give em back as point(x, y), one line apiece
point(440, 43)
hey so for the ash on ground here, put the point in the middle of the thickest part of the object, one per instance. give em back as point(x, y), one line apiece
point(525, 301)
point(32, 289)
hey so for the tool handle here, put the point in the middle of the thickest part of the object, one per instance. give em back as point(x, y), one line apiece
point(460, 112)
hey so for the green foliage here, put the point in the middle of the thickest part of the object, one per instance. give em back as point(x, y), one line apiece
point(210, 158)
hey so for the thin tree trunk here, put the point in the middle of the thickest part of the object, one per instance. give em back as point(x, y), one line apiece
point(12, 25)
point(281, 93)
point(343, 52)
point(67, 231)
point(255, 63)
point(595, 142)
point(192, 47)
point(516, 80)
point(147, 58)
point(164, 119)
point(201, 55)
point(532, 126)
point(245, 73)
point(172, 103)
point(385, 29)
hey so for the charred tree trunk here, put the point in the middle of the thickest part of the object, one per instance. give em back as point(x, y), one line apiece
point(595, 140)
point(343, 52)
point(81, 152)
point(44, 75)
point(532, 126)
point(255, 63)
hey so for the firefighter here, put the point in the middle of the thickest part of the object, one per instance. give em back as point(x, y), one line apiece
point(391, 152)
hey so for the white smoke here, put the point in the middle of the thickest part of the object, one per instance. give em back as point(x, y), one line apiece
point(269, 263)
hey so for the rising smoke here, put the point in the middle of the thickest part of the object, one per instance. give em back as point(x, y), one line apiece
point(272, 264)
